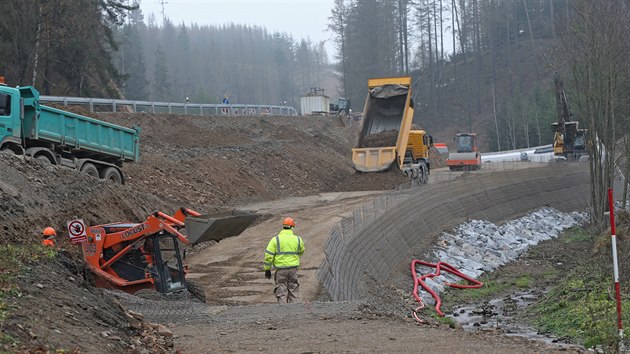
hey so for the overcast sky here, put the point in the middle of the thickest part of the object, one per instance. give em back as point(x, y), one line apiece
point(299, 18)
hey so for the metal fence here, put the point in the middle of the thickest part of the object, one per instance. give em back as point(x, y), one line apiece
point(445, 175)
point(113, 105)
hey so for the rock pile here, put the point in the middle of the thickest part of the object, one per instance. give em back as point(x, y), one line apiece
point(479, 246)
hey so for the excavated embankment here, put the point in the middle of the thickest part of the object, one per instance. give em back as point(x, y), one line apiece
point(381, 237)
point(201, 162)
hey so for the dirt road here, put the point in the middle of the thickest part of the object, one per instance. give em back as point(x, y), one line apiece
point(231, 271)
point(308, 330)
point(205, 164)
point(231, 274)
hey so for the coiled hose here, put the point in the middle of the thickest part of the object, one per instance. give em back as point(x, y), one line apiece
point(438, 268)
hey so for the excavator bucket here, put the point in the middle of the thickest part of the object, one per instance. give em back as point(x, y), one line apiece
point(217, 226)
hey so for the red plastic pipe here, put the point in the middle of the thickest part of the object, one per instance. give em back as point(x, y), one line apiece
point(438, 268)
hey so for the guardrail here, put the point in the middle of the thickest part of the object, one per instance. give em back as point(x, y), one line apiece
point(173, 108)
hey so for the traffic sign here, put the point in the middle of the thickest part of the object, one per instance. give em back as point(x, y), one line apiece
point(76, 230)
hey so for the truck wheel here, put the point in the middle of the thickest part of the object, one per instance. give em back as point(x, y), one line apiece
point(112, 174)
point(44, 159)
point(424, 173)
point(90, 169)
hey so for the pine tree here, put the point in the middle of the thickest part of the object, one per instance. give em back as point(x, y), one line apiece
point(161, 85)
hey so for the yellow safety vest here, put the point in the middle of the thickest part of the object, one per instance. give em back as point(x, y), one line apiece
point(284, 251)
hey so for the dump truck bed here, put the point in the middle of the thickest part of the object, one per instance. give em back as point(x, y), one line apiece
point(373, 159)
point(92, 137)
point(385, 127)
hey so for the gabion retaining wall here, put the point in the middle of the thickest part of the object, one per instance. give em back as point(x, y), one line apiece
point(381, 234)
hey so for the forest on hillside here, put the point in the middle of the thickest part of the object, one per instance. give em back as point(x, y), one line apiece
point(477, 65)
point(170, 62)
point(107, 48)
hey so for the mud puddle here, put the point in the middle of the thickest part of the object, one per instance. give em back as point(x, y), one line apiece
point(502, 314)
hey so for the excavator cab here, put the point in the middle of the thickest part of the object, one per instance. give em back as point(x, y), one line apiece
point(168, 269)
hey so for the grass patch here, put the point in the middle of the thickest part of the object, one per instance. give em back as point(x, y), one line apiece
point(488, 289)
point(549, 274)
point(445, 320)
point(523, 282)
point(14, 261)
point(582, 310)
point(575, 234)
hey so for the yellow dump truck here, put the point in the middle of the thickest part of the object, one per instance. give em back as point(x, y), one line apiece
point(386, 138)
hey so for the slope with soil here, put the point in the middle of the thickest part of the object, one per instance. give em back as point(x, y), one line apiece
point(47, 301)
point(218, 161)
point(200, 162)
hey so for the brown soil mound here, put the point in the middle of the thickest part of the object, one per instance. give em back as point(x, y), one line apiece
point(33, 196)
point(201, 162)
point(437, 160)
point(210, 162)
point(50, 302)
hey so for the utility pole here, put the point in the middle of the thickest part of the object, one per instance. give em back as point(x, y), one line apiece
point(162, 3)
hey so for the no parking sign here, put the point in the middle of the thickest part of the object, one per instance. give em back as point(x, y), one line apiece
point(76, 230)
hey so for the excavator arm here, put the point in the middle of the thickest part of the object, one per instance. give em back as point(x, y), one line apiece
point(569, 139)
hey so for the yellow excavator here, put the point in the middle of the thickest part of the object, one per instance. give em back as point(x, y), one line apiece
point(569, 141)
point(386, 135)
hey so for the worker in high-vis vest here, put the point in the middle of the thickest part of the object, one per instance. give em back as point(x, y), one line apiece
point(283, 253)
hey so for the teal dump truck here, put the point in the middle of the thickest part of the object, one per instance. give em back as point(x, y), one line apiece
point(63, 138)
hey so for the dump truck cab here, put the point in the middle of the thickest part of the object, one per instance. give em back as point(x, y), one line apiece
point(418, 146)
point(11, 115)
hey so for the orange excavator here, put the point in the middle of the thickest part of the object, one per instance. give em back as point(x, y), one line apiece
point(134, 256)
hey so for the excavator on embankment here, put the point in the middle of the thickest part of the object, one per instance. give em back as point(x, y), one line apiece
point(131, 256)
point(569, 140)
point(386, 135)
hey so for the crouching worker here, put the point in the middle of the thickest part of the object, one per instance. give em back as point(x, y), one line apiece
point(283, 253)
point(48, 237)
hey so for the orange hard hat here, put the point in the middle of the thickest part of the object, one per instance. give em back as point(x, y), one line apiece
point(49, 231)
point(288, 222)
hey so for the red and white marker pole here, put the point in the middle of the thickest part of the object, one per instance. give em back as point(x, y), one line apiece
point(615, 267)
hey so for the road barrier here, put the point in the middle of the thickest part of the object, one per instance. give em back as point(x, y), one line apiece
point(172, 108)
